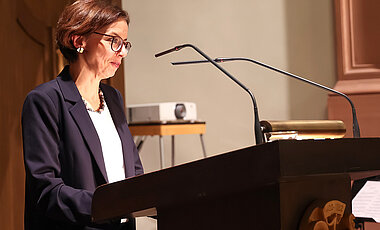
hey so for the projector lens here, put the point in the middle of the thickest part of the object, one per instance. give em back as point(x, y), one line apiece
point(180, 111)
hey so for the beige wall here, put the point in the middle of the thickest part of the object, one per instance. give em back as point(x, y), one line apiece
point(294, 35)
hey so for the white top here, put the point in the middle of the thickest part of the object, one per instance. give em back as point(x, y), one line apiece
point(110, 142)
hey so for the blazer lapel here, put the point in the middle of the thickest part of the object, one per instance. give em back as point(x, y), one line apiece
point(113, 104)
point(118, 117)
point(79, 113)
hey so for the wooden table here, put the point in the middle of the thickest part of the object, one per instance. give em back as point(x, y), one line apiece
point(168, 129)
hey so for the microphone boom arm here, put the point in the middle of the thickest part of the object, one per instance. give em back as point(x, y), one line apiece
point(257, 127)
point(355, 124)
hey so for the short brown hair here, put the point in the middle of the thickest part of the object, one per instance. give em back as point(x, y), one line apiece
point(84, 17)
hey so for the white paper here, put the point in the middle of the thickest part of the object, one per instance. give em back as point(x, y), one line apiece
point(366, 203)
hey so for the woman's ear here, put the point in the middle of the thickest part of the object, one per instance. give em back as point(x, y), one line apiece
point(78, 41)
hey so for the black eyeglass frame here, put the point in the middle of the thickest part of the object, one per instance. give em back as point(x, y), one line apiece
point(126, 44)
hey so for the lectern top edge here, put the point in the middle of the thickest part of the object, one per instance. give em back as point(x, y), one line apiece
point(239, 170)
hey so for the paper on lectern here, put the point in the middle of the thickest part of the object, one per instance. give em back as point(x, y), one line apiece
point(366, 203)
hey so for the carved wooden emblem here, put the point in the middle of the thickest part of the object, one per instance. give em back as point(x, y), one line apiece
point(327, 216)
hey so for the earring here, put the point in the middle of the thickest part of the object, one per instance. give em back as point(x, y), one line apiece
point(80, 50)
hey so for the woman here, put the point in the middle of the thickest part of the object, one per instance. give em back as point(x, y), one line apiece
point(75, 134)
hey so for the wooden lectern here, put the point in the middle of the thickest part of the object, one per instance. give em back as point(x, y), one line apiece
point(267, 186)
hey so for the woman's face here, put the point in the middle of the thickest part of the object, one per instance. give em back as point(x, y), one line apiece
point(98, 55)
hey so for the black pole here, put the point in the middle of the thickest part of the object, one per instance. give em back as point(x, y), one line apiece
point(257, 127)
point(355, 123)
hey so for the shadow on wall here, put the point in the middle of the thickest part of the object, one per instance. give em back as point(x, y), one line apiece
point(311, 54)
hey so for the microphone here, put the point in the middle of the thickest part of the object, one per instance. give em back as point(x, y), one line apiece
point(257, 128)
point(355, 124)
point(169, 51)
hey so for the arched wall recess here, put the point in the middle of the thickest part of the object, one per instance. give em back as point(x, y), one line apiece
point(358, 68)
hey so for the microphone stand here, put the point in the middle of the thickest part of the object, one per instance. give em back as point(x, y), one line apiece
point(355, 124)
point(257, 128)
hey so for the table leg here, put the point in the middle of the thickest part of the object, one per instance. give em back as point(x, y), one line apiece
point(173, 150)
point(203, 146)
point(162, 158)
point(139, 142)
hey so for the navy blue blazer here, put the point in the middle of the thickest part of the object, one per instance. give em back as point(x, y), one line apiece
point(63, 156)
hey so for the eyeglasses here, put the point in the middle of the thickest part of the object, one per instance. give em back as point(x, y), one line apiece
point(117, 42)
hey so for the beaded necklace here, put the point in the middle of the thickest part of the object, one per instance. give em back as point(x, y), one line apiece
point(101, 106)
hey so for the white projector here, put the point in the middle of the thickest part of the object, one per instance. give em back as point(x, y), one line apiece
point(162, 112)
